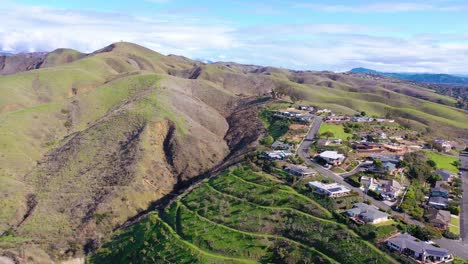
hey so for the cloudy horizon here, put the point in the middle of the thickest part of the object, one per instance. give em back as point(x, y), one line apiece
point(337, 36)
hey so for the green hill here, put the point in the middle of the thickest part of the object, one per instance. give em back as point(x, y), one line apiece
point(90, 141)
point(240, 217)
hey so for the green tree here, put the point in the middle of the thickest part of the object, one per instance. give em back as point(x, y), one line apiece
point(363, 113)
point(328, 134)
point(432, 163)
point(456, 163)
point(267, 141)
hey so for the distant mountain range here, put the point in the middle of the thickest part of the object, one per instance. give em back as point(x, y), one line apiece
point(418, 77)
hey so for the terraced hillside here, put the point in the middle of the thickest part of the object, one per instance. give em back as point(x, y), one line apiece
point(240, 217)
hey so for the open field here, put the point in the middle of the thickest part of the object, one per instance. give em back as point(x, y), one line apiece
point(247, 217)
point(337, 131)
point(443, 161)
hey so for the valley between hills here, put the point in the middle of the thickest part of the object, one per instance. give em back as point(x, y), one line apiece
point(127, 155)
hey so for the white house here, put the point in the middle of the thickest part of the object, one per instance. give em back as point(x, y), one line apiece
point(277, 154)
point(332, 157)
point(330, 190)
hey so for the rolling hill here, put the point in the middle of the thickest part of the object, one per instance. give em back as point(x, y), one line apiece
point(418, 77)
point(240, 217)
point(89, 141)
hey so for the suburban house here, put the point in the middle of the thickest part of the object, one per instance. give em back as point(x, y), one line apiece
point(388, 189)
point(367, 213)
point(383, 120)
point(332, 157)
point(444, 144)
point(395, 147)
point(438, 218)
point(281, 145)
point(330, 190)
point(277, 154)
point(322, 142)
point(306, 108)
point(367, 147)
point(299, 170)
point(441, 184)
point(336, 119)
point(293, 116)
point(419, 250)
point(438, 202)
point(446, 175)
point(362, 119)
point(439, 192)
point(323, 111)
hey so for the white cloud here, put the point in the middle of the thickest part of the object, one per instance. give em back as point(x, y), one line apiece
point(303, 46)
point(384, 7)
point(38, 28)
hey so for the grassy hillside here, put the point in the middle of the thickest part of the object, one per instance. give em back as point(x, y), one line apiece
point(242, 217)
point(89, 144)
point(88, 141)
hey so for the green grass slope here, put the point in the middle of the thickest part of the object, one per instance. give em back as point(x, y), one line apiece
point(244, 216)
point(61, 56)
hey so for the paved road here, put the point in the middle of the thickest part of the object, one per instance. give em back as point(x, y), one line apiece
point(464, 206)
point(455, 246)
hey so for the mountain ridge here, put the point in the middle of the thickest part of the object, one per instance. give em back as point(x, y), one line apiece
point(439, 78)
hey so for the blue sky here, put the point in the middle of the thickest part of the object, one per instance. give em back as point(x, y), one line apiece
point(412, 35)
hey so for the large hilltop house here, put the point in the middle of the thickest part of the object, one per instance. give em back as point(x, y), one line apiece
point(419, 250)
point(330, 190)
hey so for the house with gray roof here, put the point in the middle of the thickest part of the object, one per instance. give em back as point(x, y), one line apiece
point(281, 145)
point(438, 202)
point(439, 192)
point(419, 250)
point(367, 213)
point(438, 218)
point(299, 170)
point(446, 175)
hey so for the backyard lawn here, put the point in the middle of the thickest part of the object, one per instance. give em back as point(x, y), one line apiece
point(443, 161)
point(454, 226)
point(337, 131)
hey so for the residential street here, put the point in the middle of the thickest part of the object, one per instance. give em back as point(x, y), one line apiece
point(458, 247)
point(464, 211)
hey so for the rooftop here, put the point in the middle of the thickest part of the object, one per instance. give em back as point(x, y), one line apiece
point(412, 243)
point(330, 187)
point(331, 155)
